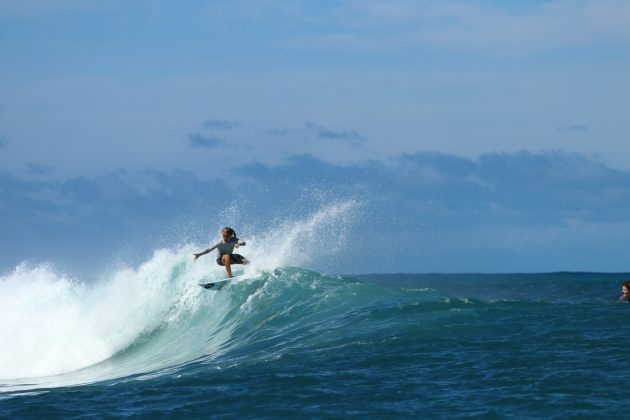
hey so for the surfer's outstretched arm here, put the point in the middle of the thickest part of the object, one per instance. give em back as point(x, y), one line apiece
point(204, 252)
point(201, 253)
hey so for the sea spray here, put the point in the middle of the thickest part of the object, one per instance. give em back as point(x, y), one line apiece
point(297, 243)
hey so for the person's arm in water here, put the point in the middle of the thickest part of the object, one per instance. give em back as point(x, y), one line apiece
point(205, 252)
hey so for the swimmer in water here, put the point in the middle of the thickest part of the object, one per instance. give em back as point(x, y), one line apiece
point(225, 250)
point(625, 289)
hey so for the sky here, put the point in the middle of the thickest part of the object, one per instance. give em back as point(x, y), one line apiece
point(492, 135)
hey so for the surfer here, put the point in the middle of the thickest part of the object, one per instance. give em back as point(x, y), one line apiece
point(625, 289)
point(225, 249)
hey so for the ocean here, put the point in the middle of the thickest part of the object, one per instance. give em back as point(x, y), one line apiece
point(291, 342)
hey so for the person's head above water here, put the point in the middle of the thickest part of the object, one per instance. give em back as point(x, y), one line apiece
point(625, 287)
point(228, 233)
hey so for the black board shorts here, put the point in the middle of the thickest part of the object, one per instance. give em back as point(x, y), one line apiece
point(234, 259)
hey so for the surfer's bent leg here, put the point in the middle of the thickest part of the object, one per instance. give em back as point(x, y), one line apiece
point(227, 264)
point(228, 259)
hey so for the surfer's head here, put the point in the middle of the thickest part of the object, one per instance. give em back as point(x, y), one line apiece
point(625, 287)
point(228, 233)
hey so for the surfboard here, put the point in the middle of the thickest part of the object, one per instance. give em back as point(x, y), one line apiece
point(217, 284)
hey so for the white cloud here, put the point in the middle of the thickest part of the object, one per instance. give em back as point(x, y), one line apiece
point(472, 26)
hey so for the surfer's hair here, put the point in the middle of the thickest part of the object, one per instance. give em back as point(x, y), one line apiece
point(627, 284)
point(229, 231)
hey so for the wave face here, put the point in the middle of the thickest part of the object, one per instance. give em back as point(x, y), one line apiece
point(157, 318)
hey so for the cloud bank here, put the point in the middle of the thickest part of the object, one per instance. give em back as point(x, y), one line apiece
point(422, 212)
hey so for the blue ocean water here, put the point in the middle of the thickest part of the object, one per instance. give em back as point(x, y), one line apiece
point(290, 342)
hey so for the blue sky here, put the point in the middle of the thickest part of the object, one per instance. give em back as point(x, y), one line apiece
point(499, 128)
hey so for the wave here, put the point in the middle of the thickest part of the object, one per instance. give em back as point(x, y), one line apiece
point(57, 329)
point(156, 320)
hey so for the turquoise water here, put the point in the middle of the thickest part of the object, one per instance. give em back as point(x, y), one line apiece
point(292, 342)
